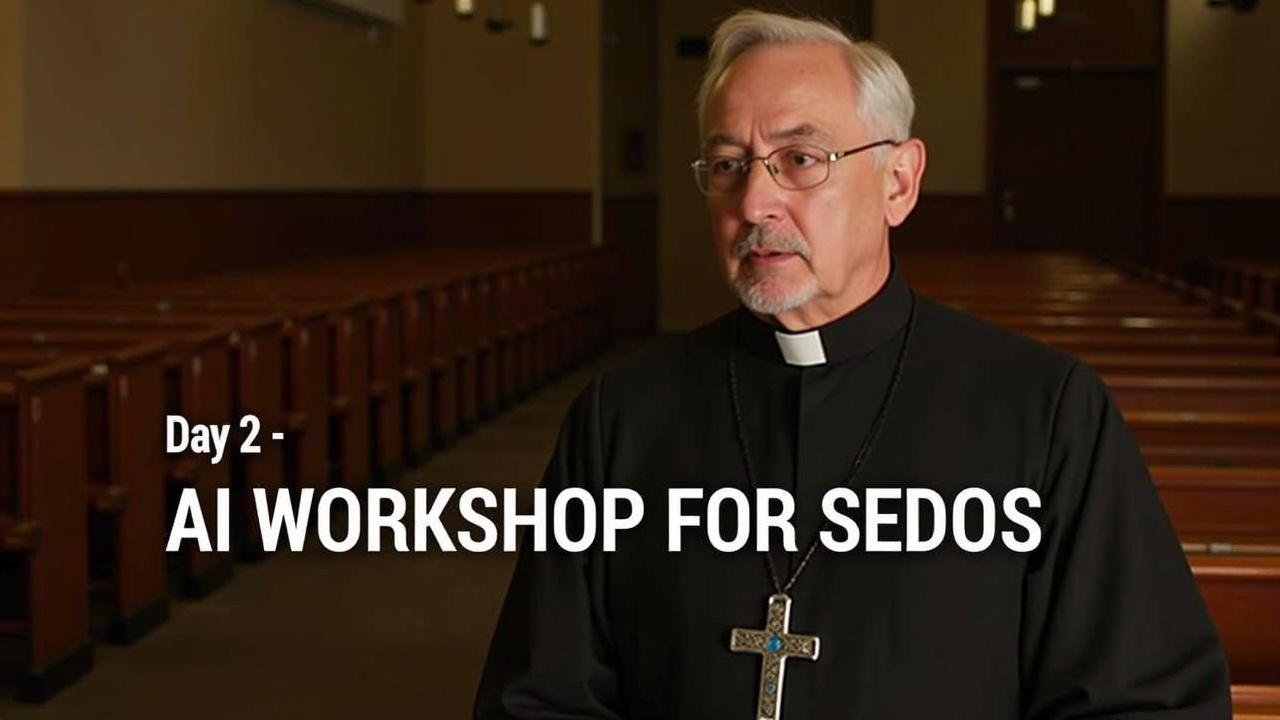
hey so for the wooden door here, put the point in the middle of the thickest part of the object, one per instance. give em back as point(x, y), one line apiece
point(1076, 159)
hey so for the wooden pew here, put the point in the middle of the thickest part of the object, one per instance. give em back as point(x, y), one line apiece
point(1206, 438)
point(301, 387)
point(1187, 365)
point(255, 366)
point(370, 336)
point(1211, 439)
point(1036, 289)
point(1255, 702)
point(1243, 285)
point(1238, 505)
point(44, 565)
point(1111, 343)
point(1249, 289)
point(1015, 306)
point(125, 474)
point(533, 322)
point(419, 317)
point(502, 309)
point(336, 355)
point(1242, 593)
point(416, 349)
point(197, 385)
point(480, 332)
point(1200, 396)
point(496, 321)
point(1208, 394)
point(364, 366)
point(1136, 326)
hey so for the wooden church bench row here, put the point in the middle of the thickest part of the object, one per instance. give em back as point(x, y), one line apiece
point(1244, 286)
point(1249, 289)
point(1255, 702)
point(125, 480)
point(455, 326)
point(1224, 365)
point(1221, 505)
point(1223, 393)
point(248, 353)
point(1092, 308)
point(1199, 396)
point(129, 378)
point(1242, 593)
point(303, 388)
point(197, 383)
point(289, 347)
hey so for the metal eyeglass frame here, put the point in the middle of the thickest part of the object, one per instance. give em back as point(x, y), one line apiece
point(701, 163)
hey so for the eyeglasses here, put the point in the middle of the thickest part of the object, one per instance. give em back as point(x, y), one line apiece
point(793, 167)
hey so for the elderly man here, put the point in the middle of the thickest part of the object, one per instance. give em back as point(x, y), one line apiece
point(832, 374)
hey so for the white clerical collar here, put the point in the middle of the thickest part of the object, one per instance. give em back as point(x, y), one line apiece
point(851, 335)
point(803, 349)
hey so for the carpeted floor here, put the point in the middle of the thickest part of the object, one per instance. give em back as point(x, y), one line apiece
point(318, 635)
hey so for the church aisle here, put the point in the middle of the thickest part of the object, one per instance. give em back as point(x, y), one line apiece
point(319, 635)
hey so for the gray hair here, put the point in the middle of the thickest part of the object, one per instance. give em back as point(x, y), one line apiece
point(884, 100)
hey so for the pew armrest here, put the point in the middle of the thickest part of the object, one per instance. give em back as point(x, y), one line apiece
point(182, 471)
point(339, 405)
point(21, 535)
point(1267, 320)
point(108, 498)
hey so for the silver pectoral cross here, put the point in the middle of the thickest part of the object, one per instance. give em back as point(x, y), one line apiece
point(774, 644)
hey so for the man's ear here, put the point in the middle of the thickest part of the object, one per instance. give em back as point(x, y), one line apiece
point(903, 170)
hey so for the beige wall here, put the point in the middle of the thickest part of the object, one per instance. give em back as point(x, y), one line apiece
point(630, 91)
point(690, 289)
point(12, 103)
point(942, 49)
point(1220, 104)
point(501, 114)
point(217, 94)
point(1223, 100)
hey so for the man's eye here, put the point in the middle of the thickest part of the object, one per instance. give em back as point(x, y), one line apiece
point(801, 159)
point(725, 166)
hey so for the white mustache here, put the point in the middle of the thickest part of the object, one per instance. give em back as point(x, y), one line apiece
point(763, 240)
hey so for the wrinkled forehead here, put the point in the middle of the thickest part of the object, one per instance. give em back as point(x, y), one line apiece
point(784, 90)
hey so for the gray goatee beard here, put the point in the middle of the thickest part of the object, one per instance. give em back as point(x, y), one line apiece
point(758, 290)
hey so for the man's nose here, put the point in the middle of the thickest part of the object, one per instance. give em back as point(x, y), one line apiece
point(761, 199)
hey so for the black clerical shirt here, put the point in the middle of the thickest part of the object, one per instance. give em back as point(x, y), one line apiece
point(1101, 621)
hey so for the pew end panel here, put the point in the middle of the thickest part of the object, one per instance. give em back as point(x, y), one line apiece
point(48, 489)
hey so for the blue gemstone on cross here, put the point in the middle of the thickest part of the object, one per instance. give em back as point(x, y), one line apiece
point(775, 645)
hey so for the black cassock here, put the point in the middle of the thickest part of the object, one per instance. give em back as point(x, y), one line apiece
point(1102, 620)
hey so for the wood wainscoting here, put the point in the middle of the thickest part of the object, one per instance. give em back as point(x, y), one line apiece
point(59, 240)
point(1199, 228)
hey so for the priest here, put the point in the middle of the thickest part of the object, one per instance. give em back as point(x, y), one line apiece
point(835, 373)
